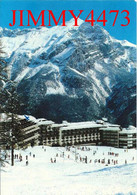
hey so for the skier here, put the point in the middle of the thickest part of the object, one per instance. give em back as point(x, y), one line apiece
point(86, 159)
point(80, 159)
point(108, 161)
point(20, 158)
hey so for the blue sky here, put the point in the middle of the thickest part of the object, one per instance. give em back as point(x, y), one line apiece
point(118, 31)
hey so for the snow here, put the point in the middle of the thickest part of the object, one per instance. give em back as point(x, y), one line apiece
point(58, 125)
point(3, 117)
point(81, 126)
point(99, 93)
point(55, 89)
point(35, 42)
point(127, 43)
point(43, 37)
point(45, 122)
point(111, 129)
point(65, 53)
point(106, 60)
point(33, 71)
point(128, 131)
point(67, 176)
point(77, 72)
point(22, 74)
point(107, 81)
point(98, 67)
point(123, 42)
point(28, 117)
point(133, 95)
point(122, 57)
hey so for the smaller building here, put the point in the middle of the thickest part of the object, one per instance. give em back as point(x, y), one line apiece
point(30, 131)
point(26, 130)
point(110, 135)
point(45, 133)
point(128, 138)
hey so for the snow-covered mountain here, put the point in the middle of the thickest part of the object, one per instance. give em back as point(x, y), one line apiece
point(68, 73)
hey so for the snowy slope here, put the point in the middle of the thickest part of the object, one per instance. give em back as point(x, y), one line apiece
point(66, 176)
point(77, 67)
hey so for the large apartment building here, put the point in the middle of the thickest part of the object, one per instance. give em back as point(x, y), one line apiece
point(86, 133)
point(46, 132)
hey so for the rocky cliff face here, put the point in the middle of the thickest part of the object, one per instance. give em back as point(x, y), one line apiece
point(72, 73)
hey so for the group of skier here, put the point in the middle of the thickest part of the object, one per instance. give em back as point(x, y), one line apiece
point(110, 158)
point(20, 158)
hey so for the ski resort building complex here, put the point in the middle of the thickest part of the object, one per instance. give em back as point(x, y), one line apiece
point(46, 132)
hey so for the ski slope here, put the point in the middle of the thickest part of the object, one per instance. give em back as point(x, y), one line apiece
point(70, 176)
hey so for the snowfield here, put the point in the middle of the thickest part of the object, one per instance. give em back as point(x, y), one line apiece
point(70, 174)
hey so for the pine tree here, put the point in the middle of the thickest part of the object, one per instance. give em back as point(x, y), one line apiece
point(2, 81)
point(3, 75)
point(10, 105)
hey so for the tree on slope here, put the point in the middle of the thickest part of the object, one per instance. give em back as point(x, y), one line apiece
point(2, 81)
point(10, 105)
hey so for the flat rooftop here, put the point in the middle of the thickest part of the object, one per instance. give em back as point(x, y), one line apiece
point(128, 131)
point(115, 128)
point(81, 126)
point(45, 122)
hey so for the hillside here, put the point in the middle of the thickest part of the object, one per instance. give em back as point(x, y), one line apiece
point(72, 73)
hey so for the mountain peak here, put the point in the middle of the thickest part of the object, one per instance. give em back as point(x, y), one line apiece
point(67, 73)
point(71, 22)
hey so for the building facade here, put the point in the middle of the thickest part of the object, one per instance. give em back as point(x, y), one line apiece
point(27, 130)
point(86, 133)
point(30, 130)
point(80, 134)
point(128, 138)
point(110, 135)
point(46, 132)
